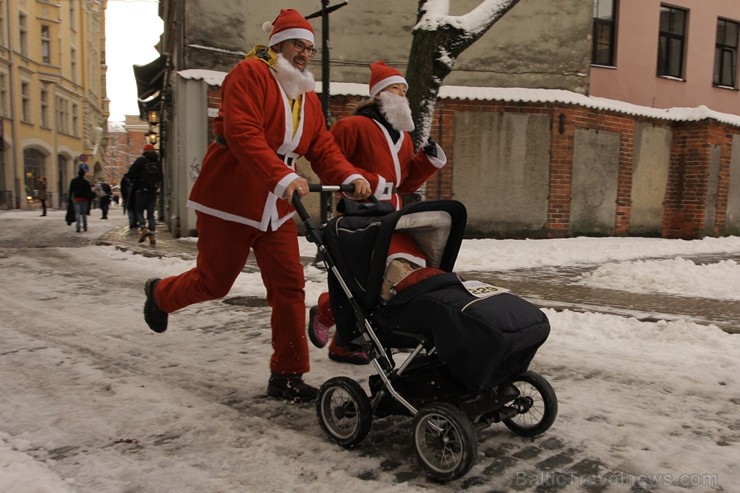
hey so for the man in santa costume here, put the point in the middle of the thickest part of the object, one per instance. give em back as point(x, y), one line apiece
point(268, 118)
point(376, 138)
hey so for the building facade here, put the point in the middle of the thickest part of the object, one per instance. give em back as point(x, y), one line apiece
point(682, 53)
point(53, 102)
point(533, 110)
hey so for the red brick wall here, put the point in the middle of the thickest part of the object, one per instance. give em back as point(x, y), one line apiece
point(684, 209)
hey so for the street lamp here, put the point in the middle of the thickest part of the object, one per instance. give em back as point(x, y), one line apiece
point(153, 116)
point(152, 137)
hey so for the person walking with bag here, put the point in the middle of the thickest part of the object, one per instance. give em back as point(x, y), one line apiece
point(268, 118)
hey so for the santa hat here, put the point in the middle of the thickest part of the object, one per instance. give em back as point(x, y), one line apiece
point(288, 25)
point(148, 147)
point(382, 76)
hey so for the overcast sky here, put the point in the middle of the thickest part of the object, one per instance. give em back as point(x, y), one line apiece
point(132, 29)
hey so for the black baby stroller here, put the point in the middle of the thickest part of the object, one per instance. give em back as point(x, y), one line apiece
point(463, 356)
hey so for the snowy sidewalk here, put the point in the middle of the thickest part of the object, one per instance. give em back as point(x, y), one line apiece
point(551, 287)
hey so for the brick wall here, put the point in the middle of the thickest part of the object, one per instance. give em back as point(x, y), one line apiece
point(685, 206)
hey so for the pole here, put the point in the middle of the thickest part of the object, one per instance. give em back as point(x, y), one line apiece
point(326, 197)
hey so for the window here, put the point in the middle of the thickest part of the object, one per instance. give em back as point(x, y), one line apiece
point(672, 41)
point(44, 96)
point(25, 102)
point(3, 95)
point(72, 16)
point(62, 115)
point(604, 35)
point(45, 44)
point(73, 64)
point(2, 23)
point(75, 120)
point(23, 34)
point(725, 53)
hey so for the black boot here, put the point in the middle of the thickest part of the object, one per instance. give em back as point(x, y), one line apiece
point(154, 316)
point(291, 388)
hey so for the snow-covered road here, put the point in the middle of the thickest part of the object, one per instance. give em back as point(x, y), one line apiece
point(92, 401)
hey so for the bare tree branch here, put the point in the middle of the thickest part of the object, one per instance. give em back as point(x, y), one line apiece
point(438, 41)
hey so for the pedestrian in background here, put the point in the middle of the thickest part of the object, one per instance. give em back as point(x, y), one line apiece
point(146, 176)
point(104, 192)
point(42, 188)
point(129, 200)
point(81, 194)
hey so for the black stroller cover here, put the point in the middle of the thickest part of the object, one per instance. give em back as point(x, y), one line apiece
point(484, 341)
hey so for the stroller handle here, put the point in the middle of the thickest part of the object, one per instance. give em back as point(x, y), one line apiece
point(318, 187)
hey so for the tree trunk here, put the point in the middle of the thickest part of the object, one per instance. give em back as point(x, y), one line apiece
point(432, 57)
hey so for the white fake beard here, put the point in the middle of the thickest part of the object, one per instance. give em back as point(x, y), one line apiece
point(293, 81)
point(396, 110)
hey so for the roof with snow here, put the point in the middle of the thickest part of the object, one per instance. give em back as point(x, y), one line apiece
point(514, 95)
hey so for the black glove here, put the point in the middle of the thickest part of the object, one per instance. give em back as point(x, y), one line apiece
point(430, 149)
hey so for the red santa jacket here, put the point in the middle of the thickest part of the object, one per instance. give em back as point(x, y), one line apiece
point(243, 180)
point(368, 145)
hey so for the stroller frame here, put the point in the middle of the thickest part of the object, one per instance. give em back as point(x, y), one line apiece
point(444, 432)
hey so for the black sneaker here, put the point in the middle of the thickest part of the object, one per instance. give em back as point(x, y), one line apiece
point(155, 318)
point(291, 388)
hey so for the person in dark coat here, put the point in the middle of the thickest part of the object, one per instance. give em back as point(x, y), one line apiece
point(42, 186)
point(146, 177)
point(129, 199)
point(81, 194)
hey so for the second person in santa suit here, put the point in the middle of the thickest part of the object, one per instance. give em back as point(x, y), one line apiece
point(376, 138)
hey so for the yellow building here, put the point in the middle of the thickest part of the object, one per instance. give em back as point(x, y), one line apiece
point(53, 101)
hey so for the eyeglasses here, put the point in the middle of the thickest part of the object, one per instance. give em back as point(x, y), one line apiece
point(299, 47)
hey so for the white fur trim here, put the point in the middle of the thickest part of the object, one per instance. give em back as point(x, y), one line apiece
point(384, 191)
point(418, 261)
point(440, 160)
point(388, 81)
point(295, 33)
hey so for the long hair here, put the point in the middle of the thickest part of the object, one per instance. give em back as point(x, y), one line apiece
point(359, 104)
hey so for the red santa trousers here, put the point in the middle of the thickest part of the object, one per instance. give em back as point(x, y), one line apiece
point(223, 249)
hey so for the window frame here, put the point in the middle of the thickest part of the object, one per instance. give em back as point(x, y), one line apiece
point(23, 34)
point(666, 45)
point(45, 36)
point(26, 102)
point(44, 106)
point(599, 27)
point(722, 49)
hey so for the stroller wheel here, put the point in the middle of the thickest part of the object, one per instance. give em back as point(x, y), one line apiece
point(445, 441)
point(344, 411)
point(536, 406)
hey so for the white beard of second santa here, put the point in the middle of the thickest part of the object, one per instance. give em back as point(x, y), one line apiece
point(396, 110)
point(293, 81)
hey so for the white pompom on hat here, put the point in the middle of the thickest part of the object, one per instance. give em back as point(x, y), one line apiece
point(382, 76)
point(289, 24)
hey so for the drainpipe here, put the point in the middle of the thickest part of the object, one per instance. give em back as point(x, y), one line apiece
point(13, 116)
